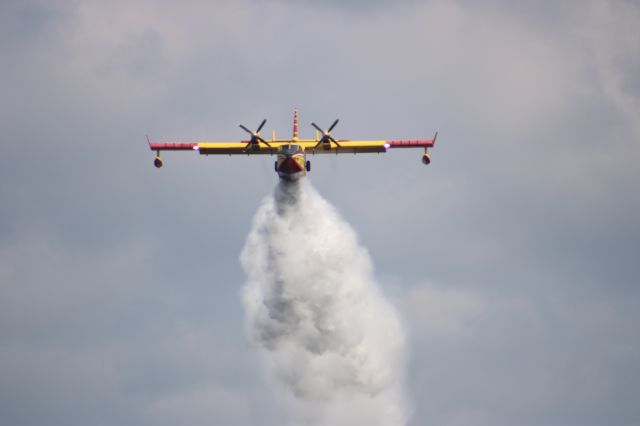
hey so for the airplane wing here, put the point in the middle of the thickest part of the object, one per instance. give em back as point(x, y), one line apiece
point(363, 146)
point(271, 147)
point(310, 145)
point(236, 148)
point(343, 147)
point(216, 148)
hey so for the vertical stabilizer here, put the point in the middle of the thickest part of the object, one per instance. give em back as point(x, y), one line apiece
point(295, 124)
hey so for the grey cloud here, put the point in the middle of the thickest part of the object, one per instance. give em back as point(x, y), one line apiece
point(112, 270)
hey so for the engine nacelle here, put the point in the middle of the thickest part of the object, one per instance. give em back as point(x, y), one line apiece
point(426, 159)
point(158, 162)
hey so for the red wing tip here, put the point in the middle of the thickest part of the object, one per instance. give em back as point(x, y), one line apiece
point(410, 143)
point(173, 146)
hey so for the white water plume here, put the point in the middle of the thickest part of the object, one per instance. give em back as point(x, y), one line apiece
point(333, 345)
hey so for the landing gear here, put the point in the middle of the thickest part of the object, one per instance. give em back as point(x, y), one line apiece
point(308, 165)
point(275, 166)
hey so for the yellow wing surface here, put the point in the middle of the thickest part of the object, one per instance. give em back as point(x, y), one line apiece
point(310, 146)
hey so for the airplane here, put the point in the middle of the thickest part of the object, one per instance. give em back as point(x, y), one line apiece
point(291, 163)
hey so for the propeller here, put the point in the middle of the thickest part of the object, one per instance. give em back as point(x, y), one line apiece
point(255, 136)
point(326, 135)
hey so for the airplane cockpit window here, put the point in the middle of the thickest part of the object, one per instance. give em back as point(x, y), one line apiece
point(290, 149)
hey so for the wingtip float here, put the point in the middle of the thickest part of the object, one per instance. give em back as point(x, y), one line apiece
point(292, 163)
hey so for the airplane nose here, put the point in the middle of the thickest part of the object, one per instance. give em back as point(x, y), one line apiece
point(289, 165)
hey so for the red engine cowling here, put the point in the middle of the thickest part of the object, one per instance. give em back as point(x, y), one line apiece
point(426, 159)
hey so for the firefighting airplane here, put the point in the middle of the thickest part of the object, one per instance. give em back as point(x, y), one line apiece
point(291, 163)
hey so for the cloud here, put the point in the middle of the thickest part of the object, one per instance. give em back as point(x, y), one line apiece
point(526, 219)
point(99, 334)
point(616, 53)
point(443, 312)
point(193, 407)
point(540, 359)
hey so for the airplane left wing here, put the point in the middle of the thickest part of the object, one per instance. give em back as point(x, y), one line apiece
point(211, 148)
point(235, 148)
point(216, 148)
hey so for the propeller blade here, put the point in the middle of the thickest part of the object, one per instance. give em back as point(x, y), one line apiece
point(259, 138)
point(326, 135)
point(256, 143)
point(318, 128)
point(246, 130)
point(261, 125)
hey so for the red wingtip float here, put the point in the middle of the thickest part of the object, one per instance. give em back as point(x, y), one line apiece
point(291, 163)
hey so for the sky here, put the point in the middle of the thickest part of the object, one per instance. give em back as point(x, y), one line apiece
point(512, 258)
